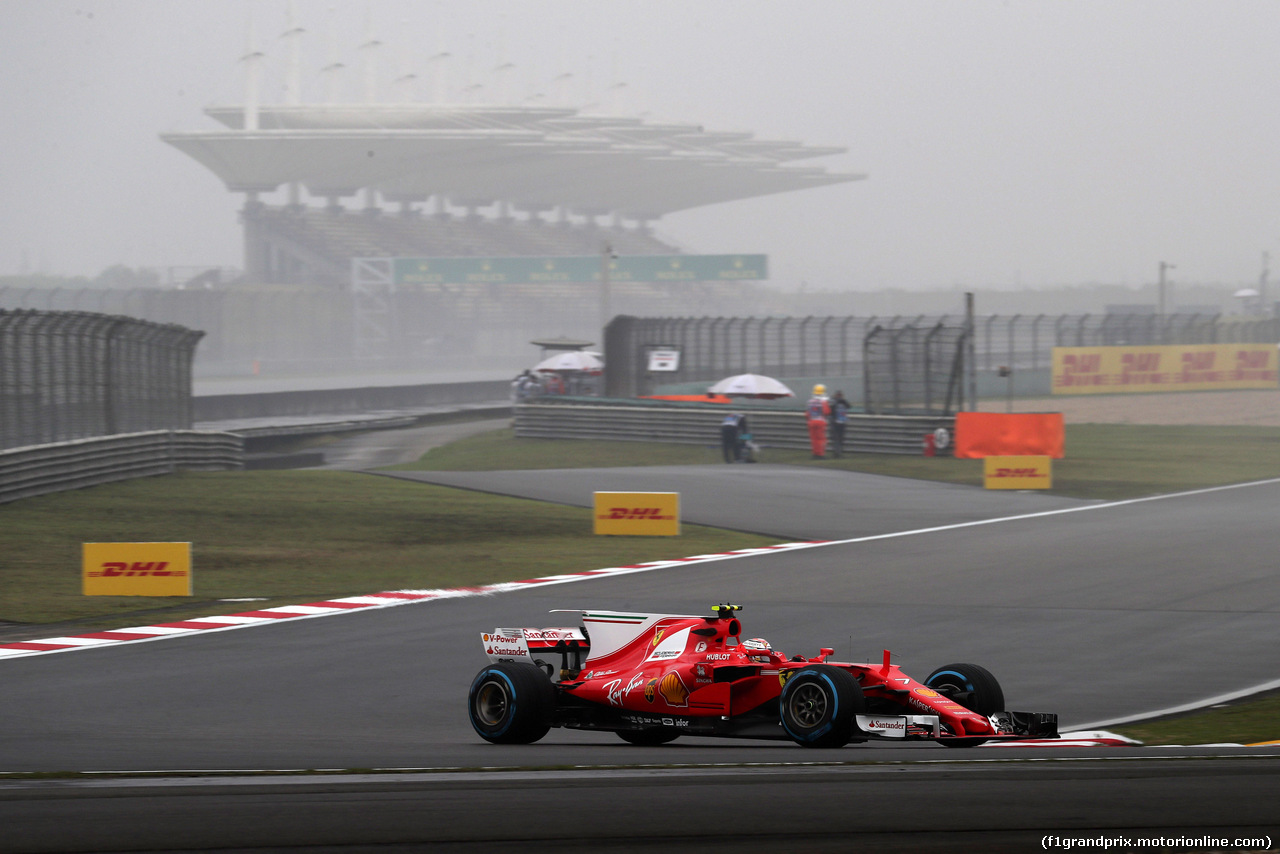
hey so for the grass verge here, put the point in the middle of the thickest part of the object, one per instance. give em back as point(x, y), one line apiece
point(299, 536)
point(291, 537)
point(1103, 461)
point(1249, 721)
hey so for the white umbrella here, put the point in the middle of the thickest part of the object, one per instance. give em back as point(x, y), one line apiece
point(750, 385)
point(574, 360)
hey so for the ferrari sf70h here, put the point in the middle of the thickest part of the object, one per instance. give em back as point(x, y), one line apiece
point(652, 678)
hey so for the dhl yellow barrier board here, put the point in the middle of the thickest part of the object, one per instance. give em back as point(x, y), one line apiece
point(655, 514)
point(137, 569)
point(1189, 367)
point(1017, 472)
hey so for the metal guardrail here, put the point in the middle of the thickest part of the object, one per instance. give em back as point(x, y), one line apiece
point(225, 407)
point(868, 434)
point(41, 469)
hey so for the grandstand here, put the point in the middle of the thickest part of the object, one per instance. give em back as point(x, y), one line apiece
point(457, 180)
point(296, 244)
point(326, 183)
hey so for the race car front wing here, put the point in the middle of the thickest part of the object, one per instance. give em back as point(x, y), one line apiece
point(1007, 725)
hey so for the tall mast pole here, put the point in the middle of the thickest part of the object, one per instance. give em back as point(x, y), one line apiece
point(252, 60)
point(293, 74)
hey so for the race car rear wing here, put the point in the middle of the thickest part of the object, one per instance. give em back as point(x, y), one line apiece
point(521, 645)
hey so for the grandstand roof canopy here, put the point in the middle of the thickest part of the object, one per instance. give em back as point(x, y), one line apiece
point(535, 158)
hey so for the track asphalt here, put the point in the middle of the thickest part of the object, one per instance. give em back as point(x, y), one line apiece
point(791, 502)
point(1094, 611)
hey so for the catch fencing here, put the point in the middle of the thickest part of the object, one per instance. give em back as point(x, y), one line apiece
point(815, 347)
point(489, 326)
point(70, 375)
point(278, 329)
point(914, 369)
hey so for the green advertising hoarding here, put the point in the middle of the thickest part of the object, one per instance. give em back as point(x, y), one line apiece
point(580, 268)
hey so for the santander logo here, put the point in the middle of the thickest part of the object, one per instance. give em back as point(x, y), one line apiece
point(887, 724)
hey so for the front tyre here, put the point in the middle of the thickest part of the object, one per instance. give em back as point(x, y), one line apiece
point(818, 706)
point(511, 703)
point(970, 686)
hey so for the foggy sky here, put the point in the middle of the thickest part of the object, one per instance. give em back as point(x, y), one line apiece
point(1007, 143)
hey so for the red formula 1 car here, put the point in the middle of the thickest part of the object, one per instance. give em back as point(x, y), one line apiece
point(652, 678)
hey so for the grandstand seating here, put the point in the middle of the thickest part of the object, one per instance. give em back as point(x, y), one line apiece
point(334, 236)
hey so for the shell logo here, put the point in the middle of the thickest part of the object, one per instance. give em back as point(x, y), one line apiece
point(673, 690)
point(926, 692)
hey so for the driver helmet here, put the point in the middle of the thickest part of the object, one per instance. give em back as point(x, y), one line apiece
point(756, 644)
point(819, 389)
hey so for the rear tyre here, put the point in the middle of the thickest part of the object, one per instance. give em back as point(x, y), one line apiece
point(511, 703)
point(647, 737)
point(818, 705)
point(970, 686)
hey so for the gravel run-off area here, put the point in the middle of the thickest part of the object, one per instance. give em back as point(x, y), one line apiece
point(1244, 407)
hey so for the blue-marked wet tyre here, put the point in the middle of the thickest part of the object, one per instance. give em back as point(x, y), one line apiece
point(818, 705)
point(970, 686)
point(511, 703)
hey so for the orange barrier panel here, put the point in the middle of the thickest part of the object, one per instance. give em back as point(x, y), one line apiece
point(997, 434)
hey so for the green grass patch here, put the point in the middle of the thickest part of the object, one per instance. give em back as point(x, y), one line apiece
point(299, 536)
point(1106, 461)
point(1247, 722)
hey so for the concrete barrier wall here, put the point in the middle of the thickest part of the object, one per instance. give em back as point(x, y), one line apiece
point(227, 407)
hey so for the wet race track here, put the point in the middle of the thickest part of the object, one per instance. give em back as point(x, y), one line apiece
point(1095, 611)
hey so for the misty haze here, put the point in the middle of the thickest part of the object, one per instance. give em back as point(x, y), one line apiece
point(1048, 157)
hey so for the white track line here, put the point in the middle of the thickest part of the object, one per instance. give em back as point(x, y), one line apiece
point(396, 598)
point(1059, 512)
point(1186, 707)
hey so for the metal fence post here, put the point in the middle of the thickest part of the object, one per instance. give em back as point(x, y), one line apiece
point(844, 345)
point(1012, 322)
point(1035, 342)
point(868, 392)
point(764, 345)
point(804, 338)
point(970, 352)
